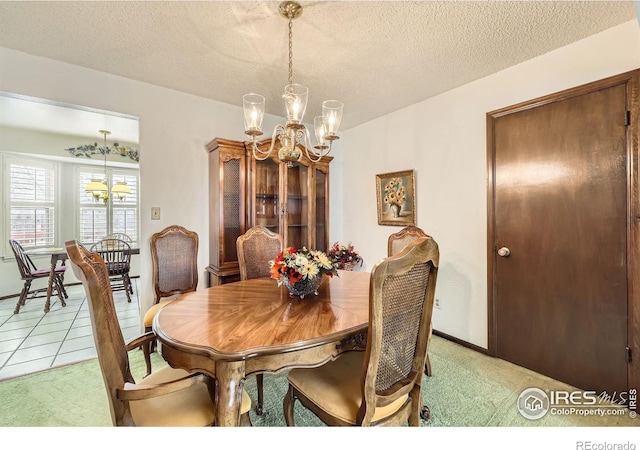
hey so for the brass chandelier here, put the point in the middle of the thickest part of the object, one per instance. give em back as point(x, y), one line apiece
point(99, 189)
point(293, 133)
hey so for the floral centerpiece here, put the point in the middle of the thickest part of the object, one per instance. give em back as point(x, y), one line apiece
point(394, 195)
point(345, 256)
point(302, 270)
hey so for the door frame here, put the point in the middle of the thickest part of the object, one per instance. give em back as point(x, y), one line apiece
point(631, 80)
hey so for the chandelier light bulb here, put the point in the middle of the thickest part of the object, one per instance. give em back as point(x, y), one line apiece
point(295, 101)
point(321, 131)
point(332, 113)
point(253, 113)
point(121, 190)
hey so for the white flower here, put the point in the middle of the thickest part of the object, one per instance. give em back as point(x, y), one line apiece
point(324, 261)
point(310, 271)
point(301, 260)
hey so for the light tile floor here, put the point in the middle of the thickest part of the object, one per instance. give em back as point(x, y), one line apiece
point(33, 340)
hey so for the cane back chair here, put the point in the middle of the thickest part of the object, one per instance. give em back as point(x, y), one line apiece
point(395, 244)
point(382, 385)
point(255, 249)
point(174, 260)
point(167, 397)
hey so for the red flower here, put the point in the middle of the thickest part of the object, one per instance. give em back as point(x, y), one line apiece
point(277, 269)
point(294, 276)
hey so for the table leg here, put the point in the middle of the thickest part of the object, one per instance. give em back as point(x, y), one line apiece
point(230, 382)
point(52, 274)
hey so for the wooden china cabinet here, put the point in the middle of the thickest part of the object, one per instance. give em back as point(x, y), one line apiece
point(289, 199)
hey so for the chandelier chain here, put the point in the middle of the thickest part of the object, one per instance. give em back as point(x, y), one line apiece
point(290, 50)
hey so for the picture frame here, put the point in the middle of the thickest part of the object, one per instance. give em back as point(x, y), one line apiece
point(396, 198)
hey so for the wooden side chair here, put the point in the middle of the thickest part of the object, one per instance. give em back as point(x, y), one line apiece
point(29, 272)
point(117, 257)
point(126, 238)
point(255, 249)
point(167, 397)
point(121, 236)
point(395, 244)
point(174, 260)
point(398, 241)
point(382, 385)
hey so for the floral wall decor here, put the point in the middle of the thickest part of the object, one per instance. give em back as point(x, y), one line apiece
point(89, 150)
point(396, 198)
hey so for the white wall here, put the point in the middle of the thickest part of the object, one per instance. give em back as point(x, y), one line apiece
point(444, 140)
point(174, 128)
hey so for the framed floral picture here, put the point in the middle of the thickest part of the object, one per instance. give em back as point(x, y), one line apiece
point(396, 198)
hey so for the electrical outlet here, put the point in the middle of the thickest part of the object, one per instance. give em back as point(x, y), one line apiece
point(155, 213)
point(436, 303)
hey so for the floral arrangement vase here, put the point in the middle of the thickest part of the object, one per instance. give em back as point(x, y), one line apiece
point(303, 287)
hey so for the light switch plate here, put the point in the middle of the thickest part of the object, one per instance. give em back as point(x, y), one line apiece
point(155, 213)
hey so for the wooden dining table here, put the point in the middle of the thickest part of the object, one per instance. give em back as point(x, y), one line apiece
point(57, 255)
point(235, 330)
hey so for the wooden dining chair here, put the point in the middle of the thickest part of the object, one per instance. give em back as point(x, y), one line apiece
point(121, 236)
point(167, 397)
point(128, 240)
point(174, 261)
point(395, 244)
point(29, 272)
point(256, 248)
point(398, 241)
point(117, 256)
point(381, 385)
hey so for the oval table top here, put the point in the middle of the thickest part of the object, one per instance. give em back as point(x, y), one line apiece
point(240, 320)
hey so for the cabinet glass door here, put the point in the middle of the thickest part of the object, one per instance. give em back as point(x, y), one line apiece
point(322, 210)
point(267, 199)
point(232, 216)
point(297, 224)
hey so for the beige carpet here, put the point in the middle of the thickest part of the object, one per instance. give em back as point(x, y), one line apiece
point(467, 389)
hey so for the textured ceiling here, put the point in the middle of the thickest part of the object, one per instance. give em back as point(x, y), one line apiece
point(376, 57)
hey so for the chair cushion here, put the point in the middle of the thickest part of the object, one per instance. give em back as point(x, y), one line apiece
point(335, 388)
point(189, 407)
point(46, 272)
point(151, 313)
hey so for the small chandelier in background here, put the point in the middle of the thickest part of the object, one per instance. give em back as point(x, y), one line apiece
point(293, 133)
point(99, 189)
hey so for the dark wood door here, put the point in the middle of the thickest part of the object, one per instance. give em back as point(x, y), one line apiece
point(560, 208)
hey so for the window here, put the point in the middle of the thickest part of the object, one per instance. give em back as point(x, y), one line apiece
point(32, 194)
point(96, 218)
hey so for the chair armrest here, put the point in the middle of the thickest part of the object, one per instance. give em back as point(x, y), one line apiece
point(132, 392)
point(140, 340)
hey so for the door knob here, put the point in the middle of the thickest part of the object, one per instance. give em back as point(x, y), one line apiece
point(504, 252)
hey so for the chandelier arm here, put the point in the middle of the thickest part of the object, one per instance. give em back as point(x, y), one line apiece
point(256, 151)
point(307, 145)
point(261, 155)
